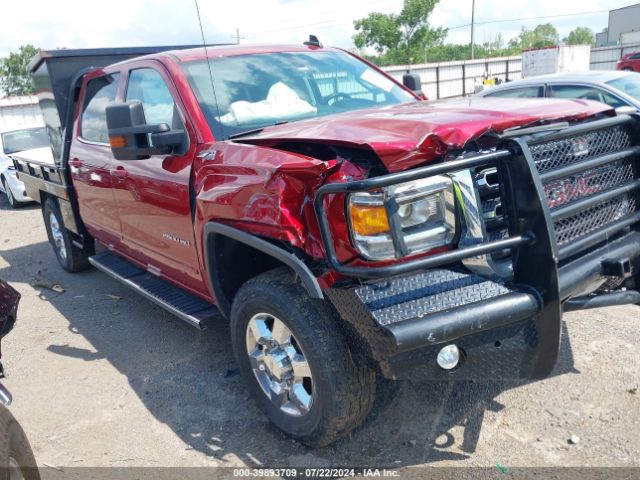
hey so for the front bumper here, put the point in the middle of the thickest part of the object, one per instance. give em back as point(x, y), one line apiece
point(402, 323)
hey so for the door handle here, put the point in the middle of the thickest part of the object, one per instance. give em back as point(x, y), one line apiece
point(120, 172)
point(76, 163)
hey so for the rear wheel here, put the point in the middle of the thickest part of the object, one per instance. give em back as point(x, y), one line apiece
point(12, 200)
point(628, 69)
point(295, 361)
point(71, 257)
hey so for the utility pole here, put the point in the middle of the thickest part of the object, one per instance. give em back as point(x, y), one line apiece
point(473, 14)
point(237, 36)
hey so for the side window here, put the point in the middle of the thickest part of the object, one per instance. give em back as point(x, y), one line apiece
point(99, 93)
point(635, 57)
point(585, 92)
point(522, 92)
point(148, 86)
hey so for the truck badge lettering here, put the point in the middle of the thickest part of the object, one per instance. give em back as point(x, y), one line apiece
point(569, 189)
point(173, 238)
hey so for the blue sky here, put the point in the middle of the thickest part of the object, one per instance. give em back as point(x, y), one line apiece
point(89, 23)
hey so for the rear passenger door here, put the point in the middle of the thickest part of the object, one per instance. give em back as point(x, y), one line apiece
point(152, 195)
point(90, 158)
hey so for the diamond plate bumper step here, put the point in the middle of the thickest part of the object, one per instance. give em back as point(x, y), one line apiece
point(187, 307)
point(438, 306)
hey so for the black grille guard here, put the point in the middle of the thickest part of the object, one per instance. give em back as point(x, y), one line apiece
point(543, 272)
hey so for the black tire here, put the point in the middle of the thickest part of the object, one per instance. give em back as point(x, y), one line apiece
point(71, 258)
point(13, 203)
point(628, 69)
point(343, 390)
point(15, 451)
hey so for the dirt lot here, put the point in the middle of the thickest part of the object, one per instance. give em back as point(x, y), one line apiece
point(102, 377)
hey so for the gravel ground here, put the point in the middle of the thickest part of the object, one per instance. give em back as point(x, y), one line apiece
point(102, 377)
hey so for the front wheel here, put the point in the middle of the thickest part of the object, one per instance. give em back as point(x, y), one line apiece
point(71, 257)
point(7, 190)
point(16, 457)
point(296, 362)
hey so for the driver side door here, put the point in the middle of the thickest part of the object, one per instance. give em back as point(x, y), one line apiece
point(152, 195)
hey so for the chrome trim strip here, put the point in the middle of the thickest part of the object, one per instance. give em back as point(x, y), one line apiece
point(473, 229)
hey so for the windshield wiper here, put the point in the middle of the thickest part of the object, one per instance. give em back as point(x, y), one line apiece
point(256, 130)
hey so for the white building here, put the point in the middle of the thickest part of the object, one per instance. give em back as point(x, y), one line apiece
point(622, 22)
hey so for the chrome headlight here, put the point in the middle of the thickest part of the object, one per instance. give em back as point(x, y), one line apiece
point(419, 214)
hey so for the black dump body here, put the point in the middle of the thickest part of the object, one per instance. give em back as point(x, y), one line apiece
point(55, 74)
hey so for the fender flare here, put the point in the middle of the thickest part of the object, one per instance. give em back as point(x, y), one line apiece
point(214, 229)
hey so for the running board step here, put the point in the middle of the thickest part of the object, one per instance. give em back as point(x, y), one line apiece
point(187, 307)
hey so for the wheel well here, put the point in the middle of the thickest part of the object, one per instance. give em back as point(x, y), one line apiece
point(234, 256)
point(232, 263)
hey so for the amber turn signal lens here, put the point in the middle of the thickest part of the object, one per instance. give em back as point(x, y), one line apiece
point(117, 141)
point(367, 220)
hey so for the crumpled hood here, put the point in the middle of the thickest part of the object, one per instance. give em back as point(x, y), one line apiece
point(407, 135)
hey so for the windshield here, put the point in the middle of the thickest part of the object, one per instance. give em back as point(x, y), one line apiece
point(20, 140)
point(629, 84)
point(253, 91)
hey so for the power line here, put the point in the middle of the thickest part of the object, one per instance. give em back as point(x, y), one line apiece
point(487, 22)
point(325, 22)
point(529, 18)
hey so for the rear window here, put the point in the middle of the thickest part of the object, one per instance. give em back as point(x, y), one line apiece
point(585, 92)
point(13, 142)
point(99, 93)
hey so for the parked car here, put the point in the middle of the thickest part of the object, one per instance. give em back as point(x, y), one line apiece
point(16, 455)
point(615, 88)
point(629, 62)
point(347, 229)
point(13, 142)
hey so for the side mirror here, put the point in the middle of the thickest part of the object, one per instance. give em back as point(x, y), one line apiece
point(414, 83)
point(625, 110)
point(132, 139)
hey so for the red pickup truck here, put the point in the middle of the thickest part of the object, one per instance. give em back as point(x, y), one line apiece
point(347, 229)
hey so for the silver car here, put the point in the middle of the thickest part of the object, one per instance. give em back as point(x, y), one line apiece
point(13, 142)
point(620, 89)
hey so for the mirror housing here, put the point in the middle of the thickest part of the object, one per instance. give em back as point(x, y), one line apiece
point(625, 110)
point(414, 83)
point(132, 139)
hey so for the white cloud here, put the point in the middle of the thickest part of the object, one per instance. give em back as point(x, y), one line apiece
point(80, 24)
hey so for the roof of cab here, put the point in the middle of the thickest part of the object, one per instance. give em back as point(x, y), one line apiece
point(235, 50)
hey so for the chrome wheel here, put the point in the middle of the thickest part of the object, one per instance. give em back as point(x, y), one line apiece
point(56, 234)
point(279, 364)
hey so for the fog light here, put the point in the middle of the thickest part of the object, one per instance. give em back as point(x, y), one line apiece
point(448, 357)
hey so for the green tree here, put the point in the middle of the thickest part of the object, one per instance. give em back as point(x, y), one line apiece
point(544, 35)
point(400, 38)
point(580, 36)
point(14, 79)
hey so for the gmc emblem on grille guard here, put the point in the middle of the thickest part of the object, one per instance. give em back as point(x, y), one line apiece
point(569, 189)
point(580, 146)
